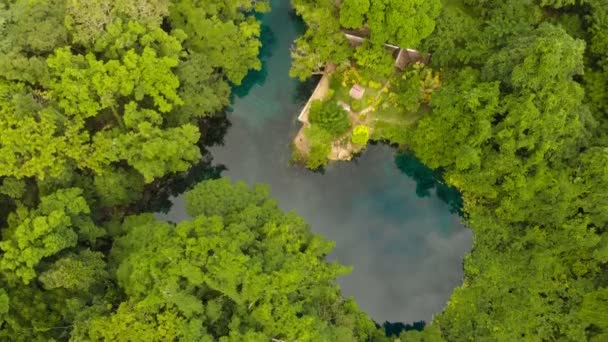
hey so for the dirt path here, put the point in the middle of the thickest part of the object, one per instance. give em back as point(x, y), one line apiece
point(371, 108)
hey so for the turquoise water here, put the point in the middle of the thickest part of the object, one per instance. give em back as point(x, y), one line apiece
point(405, 243)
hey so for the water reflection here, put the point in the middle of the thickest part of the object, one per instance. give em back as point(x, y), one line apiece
point(428, 180)
point(257, 77)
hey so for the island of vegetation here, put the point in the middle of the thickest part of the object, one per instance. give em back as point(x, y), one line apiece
point(105, 108)
point(353, 103)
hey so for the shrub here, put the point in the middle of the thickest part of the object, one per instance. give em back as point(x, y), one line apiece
point(320, 141)
point(415, 87)
point(330, 116)
point(316, 134)
point(374, 85)
point(360, 135)
point(317, 156)
point(357, 105)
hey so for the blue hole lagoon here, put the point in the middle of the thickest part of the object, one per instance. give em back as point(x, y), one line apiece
point(391, 221)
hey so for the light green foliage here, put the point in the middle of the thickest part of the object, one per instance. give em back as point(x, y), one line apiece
point(320, 141)
point(4, 302)
point(590, 176)
point(330, 116)
point(75, 272)
point(322, 43)
point(521, 129)
point(84, 85)
point(525, 272)
point(222, 198)
point(223, 45)
point(375, 58)
point(239, 271)
point(352, 13)
point(30, 144)
point(43, 140)
point(360, 135)
point(59, 222)
point(548, 54)
point(107, 91)
point(318, 155)
point(154, 151)
point(402, 23)
point(203, 86)
point(456, 38)
point(87, 19)
point(430, 334)
point(397, 22)
point(218, 30)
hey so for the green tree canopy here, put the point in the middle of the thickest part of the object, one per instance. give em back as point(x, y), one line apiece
point(239, 270)
point(330, 116)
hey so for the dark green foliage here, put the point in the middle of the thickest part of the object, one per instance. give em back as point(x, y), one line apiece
point(519, 127)
point(330, 116)
point(514, 131)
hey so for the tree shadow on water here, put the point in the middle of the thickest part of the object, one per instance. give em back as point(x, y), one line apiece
point(304, 90)
point(156, 197)
point(396, 328)
point(427, 180)
point(258, 77)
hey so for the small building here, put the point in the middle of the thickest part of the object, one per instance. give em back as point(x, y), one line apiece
point(356, 92)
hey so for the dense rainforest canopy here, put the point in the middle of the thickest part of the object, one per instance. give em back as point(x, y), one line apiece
point(104, 103)
point(519, 127)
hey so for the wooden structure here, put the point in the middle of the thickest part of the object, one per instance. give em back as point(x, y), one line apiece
point(356, 92)
point(403, 56)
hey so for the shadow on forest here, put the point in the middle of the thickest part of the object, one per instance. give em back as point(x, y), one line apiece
point(427, 180)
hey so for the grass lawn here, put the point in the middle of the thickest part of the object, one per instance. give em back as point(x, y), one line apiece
point(395, 116)
point(341, 90)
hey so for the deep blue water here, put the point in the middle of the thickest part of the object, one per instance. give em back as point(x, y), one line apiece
point(405, 243)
